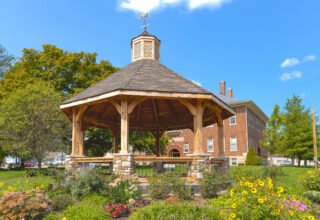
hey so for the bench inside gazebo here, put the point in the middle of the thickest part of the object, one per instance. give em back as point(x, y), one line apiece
point(145, 96)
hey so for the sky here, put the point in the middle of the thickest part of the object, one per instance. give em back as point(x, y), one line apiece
point(266, 50)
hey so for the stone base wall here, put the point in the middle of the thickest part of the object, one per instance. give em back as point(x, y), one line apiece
point(199, 164)
point(123, 164)
point(71, 165)
point(221, 164)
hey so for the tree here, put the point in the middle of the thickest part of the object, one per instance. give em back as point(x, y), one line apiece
point(5, 60)
point(272, 132)
point(252, 159)
point(297, 130)
point(69, 73)
point(31, 123)
point(145, 141)
point(98, 142)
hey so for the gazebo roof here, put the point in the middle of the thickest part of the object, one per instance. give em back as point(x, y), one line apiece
point(143, 75)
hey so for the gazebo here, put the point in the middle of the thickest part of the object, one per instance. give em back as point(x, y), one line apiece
point(144, 96)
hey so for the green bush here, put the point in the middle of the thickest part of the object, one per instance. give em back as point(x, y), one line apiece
point(211, 183)
point(313, 196)
point(61, 202)
point(272, 171)
point(252, 159)
point(91, 207)
point(179, 211)
point(312, 180)
point(238, 173)
point(161, 185)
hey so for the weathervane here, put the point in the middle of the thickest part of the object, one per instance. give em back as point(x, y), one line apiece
point(144, 16)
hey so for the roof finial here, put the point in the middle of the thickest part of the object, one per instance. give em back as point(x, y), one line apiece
point(144, 16)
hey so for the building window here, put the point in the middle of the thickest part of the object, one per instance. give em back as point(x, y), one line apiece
point(233, 120)
point(210, 145)
point(234, 161)
point(186, 148)
point(233, 144)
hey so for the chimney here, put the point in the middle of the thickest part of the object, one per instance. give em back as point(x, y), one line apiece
point(223, 87)
point(230, 92)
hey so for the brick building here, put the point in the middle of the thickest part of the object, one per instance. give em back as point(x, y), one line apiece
point(241, 131)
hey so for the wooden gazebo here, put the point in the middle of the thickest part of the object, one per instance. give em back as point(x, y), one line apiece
point(145, 96)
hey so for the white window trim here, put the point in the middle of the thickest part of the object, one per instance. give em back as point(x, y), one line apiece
point(235, 120)
point(184, 149)
point(231, 143)
point(210, 151)
point(234, 159)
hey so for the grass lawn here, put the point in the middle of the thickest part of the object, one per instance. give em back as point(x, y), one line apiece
point(15, 176)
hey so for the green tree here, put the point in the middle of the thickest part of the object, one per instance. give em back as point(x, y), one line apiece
point(252, 159)
point(68, 72)
point(297, 130)
point(98, 142)
point(5, 60)
point(145, 141)
point(31, 123)
point(272, 132)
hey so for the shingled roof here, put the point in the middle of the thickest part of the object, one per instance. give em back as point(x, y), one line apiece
point(142, 75)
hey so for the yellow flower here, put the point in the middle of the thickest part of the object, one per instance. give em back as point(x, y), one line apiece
point(281, 206)
point(244, 192)
point(231, 192)
point(280, 189)
point(1, 184)
point(247, 183)
point(261, 200)
point(261, 183)
point(291, 213)
point(27, 181)
point(234, 205)
point(243, 199)
point(310, 217)
point(254, 190)
point(277, 211)
point(64, 218)
point(233, 215)
point(241, 183)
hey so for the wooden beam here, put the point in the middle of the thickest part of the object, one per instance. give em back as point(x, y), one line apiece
point(116, 105)
point(77, 133)
point(107, 111)
point(155, 111)
point(175, 115)
point(124, 125)
point(80, 112)
point(139, 114)
point(189, 106)
point(134, 103)
point(220, 133)
point(198, 123)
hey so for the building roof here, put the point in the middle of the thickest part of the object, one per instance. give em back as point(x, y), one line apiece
point(142, 75)
point(145, 34)
point(233, 102)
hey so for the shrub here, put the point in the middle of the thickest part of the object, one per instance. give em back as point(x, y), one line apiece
point(24, 205)
point(162, 185)
point(61, 202)
point(211, 183)
point(91, 207)
point(312, 180)
point(260, 199)
point(272, 171)
point(238, 173)
point(179, 211)
point(117, 210)
point(19, 186)
point(252, 159)
point(122, 188)
point(313, 196)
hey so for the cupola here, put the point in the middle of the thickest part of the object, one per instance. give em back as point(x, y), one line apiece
point(145, 46)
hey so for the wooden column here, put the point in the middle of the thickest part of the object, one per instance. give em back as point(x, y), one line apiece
point(124, 126)
point(78, 132)
point(115, 140)
point(197, 121)
point(158, 134)
point(220, 135)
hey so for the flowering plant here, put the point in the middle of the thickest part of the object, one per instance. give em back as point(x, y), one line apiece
point(260, 199)
point(117, 210)
point(24, 205)
point(312, 180)
point(19, 186)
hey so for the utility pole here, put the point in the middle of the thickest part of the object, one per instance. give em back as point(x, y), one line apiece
point(315, 149)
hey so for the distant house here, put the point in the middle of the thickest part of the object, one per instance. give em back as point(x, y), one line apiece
point(54, 158)
point(279, 160)
point(241, 131)
point(10, 161)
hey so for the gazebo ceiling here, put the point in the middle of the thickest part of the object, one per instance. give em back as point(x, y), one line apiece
point(150, 114)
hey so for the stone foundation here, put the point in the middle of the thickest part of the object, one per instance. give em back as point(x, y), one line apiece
point(71, 165)
point(199, 164)
point(221, 164)
point(123, 164)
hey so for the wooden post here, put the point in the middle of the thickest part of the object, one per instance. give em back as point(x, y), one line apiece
point(197, 120)
point(158, 135)
point(315, 149)
point(220, 134)
point(115, 140)
point(78, 132)
point(124, 126)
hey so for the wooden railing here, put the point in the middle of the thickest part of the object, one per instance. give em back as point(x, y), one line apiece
point(163, 159)
point(94, 159)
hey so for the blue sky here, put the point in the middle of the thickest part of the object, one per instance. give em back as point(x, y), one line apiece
point(266, 50)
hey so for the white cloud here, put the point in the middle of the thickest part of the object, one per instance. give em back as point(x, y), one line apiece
point(151, 5)
point(197, 82)
point(290, 75)
point(310, 58)
point(193, 4)
point(290, 62)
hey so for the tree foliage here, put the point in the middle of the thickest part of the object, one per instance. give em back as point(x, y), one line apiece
point(5, 60)
point(252, 159)
point(31, 122)
point(272, 132)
